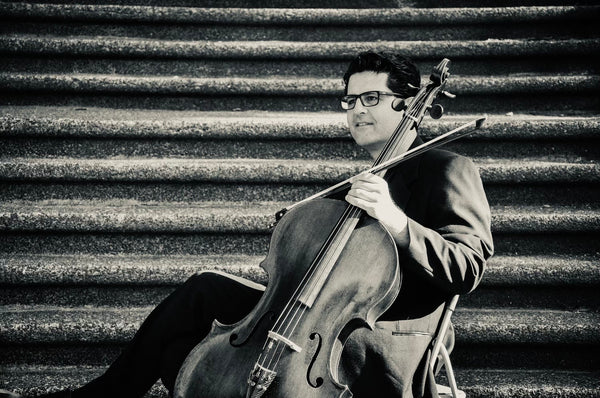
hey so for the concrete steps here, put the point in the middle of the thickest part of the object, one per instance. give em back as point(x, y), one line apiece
point(508, 181)
point(143, 270)
point(239, 217)
point(190, 23)
point(145, 142)
point(523, 281)
point(477, 383)
point(54, 132)
point(355, 4)
point(27, 327)
point(533, 94)
point(166, 63)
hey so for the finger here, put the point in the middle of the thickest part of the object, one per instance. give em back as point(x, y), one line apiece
point(369, 196)
point(359, 202)
point(360, 177)
point(371, 186)
point(369, 178)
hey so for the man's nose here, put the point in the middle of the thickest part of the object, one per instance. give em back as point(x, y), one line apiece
point(359, 107)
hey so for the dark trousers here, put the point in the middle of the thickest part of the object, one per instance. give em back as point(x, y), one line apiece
point(184, 318)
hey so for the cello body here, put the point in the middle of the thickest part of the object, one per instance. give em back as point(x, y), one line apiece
point(363, 283)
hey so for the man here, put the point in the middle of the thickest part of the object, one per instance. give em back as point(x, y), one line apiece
point(434, 207)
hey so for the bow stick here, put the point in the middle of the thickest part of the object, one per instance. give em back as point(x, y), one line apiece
point(451, 135)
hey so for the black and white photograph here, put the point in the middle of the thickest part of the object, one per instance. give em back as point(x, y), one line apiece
point(299, 199)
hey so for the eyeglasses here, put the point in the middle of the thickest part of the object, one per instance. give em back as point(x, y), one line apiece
point(368, 98)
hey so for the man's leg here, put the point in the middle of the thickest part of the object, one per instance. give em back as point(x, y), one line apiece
point(170, 332)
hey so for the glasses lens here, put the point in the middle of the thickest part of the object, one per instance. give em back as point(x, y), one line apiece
point(348, 102)
point(370, 98)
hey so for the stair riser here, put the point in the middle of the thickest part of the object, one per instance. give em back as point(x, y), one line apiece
point(493, 66)
point(466, 354)
point(291, 149)
point(558, 194)
point(547, 104)
point(93, 243)
point(469, 355)
point(479, 383)
point(558, 298)
point(241, 3)
point(314, 33)
point(322, 4)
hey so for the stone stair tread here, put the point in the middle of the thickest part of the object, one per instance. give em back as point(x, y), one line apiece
point(39, 324)
point(130, 269)
point(522, 382)
point(533, 310)
point(557, 270)
point(281, 86)
point(269, 170)
point(40, 121)
point(239, 217)
point(39, 379)
point(121, 269)
point(135, 216)
point(136, 47)
point(309, 16)
point(502, 383)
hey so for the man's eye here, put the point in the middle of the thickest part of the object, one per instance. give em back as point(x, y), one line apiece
point(350, 101)
point(371, 98)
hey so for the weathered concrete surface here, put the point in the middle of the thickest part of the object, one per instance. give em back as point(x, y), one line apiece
point(308, 16)
point(121, 269)
point(514, 271)
point(467, 85)
point(42, 324)
point(242, 218)
point(478, 383)
point(52, 121)
point(268, 170)
point(44, 379)
point(275, 49)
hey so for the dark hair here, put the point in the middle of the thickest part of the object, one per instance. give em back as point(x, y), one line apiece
point(402, 71)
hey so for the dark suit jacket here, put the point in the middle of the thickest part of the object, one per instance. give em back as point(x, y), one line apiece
point(449, 226)
point(450, 240)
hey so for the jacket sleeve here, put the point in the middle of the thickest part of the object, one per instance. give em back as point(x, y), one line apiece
point(451, 245)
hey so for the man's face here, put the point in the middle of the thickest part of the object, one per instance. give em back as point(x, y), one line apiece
point(371, 127)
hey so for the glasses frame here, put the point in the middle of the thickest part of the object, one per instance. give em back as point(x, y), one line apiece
point(346, 106)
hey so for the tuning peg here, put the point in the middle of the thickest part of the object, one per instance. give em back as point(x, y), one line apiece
point(436, 111)
point(447, 94)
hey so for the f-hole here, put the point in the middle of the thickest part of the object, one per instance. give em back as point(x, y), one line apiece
point(319, 380)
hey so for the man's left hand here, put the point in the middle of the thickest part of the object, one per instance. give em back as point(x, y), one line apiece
point(371, 193)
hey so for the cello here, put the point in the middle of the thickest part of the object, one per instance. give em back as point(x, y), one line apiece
point(332, 269)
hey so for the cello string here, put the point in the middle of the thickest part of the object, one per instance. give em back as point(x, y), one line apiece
point(308, 273)
point(389, 149)
point(396, 143)
point(319, 259)
point(391, 146)
point(325, 257)
point(408, 117)
point(301, 288)
point(302, 308)
point(386, 152)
